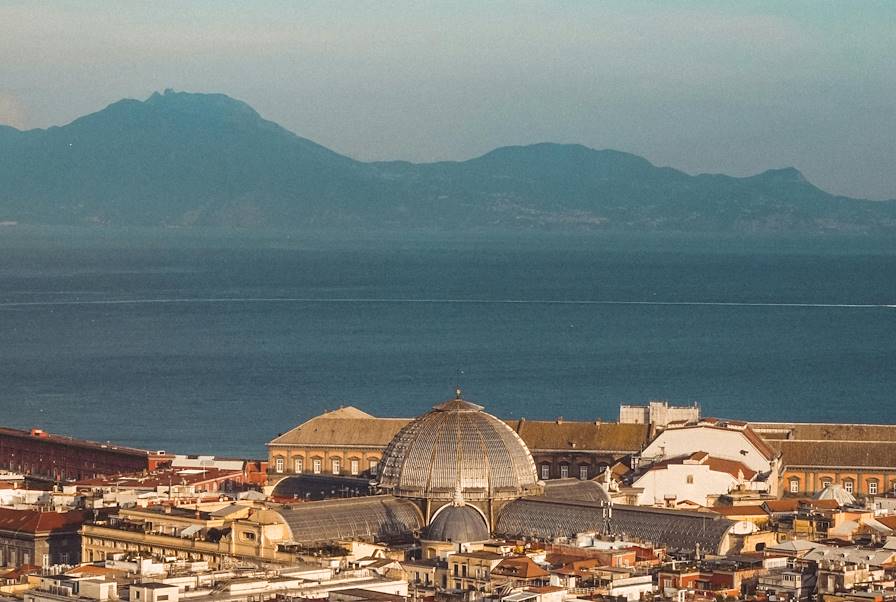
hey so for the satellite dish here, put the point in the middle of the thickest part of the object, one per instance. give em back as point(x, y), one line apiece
point(743, 527)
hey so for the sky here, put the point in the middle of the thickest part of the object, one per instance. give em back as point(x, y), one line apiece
point(729, 87)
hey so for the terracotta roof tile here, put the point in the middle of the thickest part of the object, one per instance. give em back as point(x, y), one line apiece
point(598, 436)
point(887, 521)
point(350, 426)
point(340, 431)
point(792, 504)
point(522, 567)
point(35, 521)
point(837, 453)
point(731, 467)
point(808, 431)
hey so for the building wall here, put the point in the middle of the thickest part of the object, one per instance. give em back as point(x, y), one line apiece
point(672, 482)
point(466, 572)
point(367, 458)
point(810, 480)
point(18, 548)
point(593, 463)
point(658, 414)
point(100, 542)
point(717, 442)
point(58, 458)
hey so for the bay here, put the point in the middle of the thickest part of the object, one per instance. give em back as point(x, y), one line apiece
point(215, 342)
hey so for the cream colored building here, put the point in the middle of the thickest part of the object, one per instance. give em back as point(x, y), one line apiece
point(235, 535)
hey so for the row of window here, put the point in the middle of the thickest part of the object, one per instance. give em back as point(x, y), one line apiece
point(848, 485)
point(564, 471)
point(317, 466)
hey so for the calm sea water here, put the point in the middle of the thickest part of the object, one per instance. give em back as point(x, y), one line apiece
point(216, 343)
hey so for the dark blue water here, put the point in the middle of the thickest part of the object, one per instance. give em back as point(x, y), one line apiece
point(215, 344)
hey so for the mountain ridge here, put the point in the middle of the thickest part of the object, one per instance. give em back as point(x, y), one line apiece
point(190, 160)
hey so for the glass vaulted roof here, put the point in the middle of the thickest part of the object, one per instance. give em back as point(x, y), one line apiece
point(454, 447)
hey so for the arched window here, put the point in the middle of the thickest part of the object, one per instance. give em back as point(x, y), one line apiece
point(794, 485)
point(872, 487)
point(583, 472)
point(279, 464)
point(564, 471)
point(848, 485)
point(298, 465)
point(545, 472)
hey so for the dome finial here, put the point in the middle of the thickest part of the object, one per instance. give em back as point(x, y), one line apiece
point(458, 499)
point(458, 393)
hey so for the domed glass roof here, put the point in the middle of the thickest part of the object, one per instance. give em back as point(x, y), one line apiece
point(459, 524)
point(458, 447)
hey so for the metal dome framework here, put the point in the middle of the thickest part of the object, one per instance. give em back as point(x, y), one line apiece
point(457, 447)
point(457, 523)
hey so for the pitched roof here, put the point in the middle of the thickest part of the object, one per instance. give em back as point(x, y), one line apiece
point(343, 430)
point(36, 521)
point(758, 442)
point(793, 504)
point(814, 431)
point(887, 521)
point(522, 567)
point(350, 426)
point(836, 453)
point(347, 412)
point(731, 467)
point(596, 436)
point(751, 510)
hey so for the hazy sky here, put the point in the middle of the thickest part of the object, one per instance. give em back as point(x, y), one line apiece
point(734, 87)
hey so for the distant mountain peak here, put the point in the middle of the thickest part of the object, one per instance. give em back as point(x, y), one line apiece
point(190, 159)
point(783, 174)
point(201, 102)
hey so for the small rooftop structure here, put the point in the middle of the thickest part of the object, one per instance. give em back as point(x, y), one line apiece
point(837, 493)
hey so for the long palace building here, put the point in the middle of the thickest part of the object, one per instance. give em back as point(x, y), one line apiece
point(350, 442)
point(57, 458)
point(861, 458)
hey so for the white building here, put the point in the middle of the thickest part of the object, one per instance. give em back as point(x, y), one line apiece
point(722, 440)
point(694, 480)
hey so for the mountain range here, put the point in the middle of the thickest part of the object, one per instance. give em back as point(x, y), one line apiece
point(187, 160)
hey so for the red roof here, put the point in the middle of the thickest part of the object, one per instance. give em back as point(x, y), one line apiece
point(732, 467)
point(751, 510)
point(793, 504)
point(17, 573)
point(519, 566)
point(35, 521)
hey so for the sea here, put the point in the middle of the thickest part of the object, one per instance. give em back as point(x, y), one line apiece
point(215, 342)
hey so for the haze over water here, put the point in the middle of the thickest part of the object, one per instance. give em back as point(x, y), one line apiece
point(214, 343)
